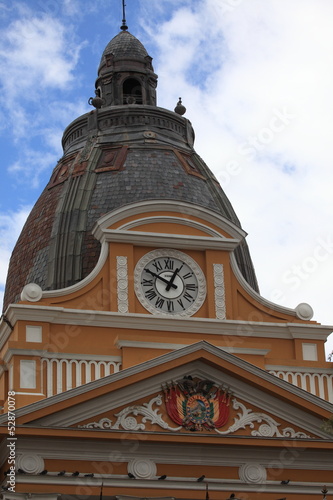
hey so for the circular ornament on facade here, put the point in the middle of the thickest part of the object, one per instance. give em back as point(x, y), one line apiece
point(31, 464)
point(252, 473)
point(31, 292)
point(142, 468)
point(169, 282)
point(304, 311)
point(149, 135)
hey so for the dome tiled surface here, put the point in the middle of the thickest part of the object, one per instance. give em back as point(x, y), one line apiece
point(125, 45)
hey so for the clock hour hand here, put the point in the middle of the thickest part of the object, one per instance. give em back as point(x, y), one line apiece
point(171, 282)
point(162, 279)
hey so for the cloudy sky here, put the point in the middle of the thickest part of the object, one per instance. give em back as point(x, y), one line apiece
point(256, 77)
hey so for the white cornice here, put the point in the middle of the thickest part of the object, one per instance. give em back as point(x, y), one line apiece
point(171, 347)
point(187, 453)
point(299, 369)
point(161, 240)
point(265, 302)
point(173, 220)
point(180, 483)
point(58, 355)
point(185, 210)
point(154, 322)
point(22, 352)
point(149, 322)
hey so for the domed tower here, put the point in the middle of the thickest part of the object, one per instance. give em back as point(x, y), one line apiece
point(127, 150)
point(134, 344)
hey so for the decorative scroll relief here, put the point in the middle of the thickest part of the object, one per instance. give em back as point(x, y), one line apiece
point(128, 420)
point(122, 284)
point(269, 427)
point(219, 291)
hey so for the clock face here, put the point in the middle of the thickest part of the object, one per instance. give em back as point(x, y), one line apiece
point(169, 282)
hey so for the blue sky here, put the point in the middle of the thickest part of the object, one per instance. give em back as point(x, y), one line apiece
point(256, 78)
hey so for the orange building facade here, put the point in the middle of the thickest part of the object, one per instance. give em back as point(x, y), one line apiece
point(145, 363)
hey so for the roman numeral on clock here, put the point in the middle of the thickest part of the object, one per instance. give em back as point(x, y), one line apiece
point(147, 282)
point(159, 302)
point(151, 294)
point(191, 286)
point(188, 297)
point(170, 306)
point(180, 302)
point(169, 264)
point(157, 265)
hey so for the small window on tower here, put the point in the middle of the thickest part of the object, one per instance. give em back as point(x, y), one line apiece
point(132, 91)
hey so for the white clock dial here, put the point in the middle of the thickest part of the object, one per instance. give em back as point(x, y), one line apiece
point(169, 282)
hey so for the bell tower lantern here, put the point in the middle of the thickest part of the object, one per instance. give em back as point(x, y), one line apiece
point(125, 74)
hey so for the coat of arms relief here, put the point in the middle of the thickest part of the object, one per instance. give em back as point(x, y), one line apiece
point(196, 405)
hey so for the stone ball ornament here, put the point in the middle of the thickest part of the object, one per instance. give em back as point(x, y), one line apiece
point(31, 292)
point(304, 311)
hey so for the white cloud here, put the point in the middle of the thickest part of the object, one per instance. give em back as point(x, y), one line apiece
point(38, 55)
point(266, 59)
point(31, 165)
point(37, 52)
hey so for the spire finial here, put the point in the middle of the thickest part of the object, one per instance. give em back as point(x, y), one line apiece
point(124, 27)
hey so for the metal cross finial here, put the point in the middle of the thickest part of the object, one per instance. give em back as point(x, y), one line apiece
point(124, 27)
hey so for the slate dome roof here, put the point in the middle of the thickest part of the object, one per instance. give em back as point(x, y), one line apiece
point(123, 46)
point(113, 156)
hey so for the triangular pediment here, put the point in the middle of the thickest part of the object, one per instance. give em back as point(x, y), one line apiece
point(261, 405)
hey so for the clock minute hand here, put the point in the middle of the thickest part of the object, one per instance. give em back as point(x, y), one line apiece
point(171, 282)
point(162, 279)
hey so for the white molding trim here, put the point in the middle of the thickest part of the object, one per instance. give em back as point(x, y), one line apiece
point(172, 347)
point(58, 355)
point(30, 393)
point(180, 483)
point(265, 302)
point(63, 315)
point(83, 283)
point(162, 240)
point(219, 291)
point(190, 454)
point(304, 369)
point(138, 321)
point(184, 209)
point(9, 495)
point(122, 284)
point(22, 352)
point(173, 220)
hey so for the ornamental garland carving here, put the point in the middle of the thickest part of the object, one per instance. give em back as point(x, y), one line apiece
point(196, 406)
